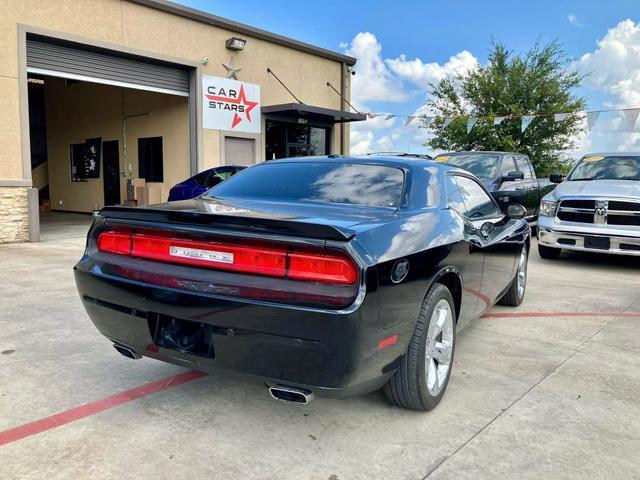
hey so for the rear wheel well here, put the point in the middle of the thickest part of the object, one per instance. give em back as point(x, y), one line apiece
point(452, 281)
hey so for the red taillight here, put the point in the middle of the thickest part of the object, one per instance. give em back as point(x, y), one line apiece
point(325, 268)
point(276, 262)
point(113, 242)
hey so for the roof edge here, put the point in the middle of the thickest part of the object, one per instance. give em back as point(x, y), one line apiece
point(211, 19)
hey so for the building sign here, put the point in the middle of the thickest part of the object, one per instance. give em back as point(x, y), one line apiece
point(230, 105)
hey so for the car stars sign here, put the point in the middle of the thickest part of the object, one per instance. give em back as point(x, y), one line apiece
point(230, 105)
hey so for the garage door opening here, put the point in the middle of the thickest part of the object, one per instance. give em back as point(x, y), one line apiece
point(105, 129)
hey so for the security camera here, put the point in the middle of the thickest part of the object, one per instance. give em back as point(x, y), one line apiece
point(353, 72)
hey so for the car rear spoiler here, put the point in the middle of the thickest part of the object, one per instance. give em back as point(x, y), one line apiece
point(230, 222)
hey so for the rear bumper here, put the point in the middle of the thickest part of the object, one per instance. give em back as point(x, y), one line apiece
point(331, 353)
point(550, 234)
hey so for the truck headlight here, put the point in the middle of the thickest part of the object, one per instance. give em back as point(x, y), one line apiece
point(548, 208)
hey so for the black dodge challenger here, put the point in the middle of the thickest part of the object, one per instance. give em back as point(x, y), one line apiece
point(330, 276)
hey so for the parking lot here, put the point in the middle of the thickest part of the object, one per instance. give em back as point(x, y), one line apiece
point(548, 390)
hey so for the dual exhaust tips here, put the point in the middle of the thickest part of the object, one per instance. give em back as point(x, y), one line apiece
point(279, 392)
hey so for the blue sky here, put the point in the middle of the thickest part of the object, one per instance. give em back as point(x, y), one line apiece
point(401, 45)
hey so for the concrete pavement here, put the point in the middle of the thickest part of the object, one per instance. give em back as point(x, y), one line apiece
point(550, 391)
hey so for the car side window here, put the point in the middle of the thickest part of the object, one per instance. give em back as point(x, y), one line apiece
point(524, 166)
point(454, 196)
point(508, 165)
point(478, 204)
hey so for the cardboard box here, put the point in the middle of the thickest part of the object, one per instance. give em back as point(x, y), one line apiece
point(149, 194)
point(45, 206)
point(130, 203)
point(132, 187)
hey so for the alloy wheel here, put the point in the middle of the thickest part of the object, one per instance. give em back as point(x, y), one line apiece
point(439, 348)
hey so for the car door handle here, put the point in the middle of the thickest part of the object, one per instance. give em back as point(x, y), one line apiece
point(520, 187)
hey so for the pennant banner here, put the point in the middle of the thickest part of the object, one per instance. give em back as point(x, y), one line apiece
point(471, 121)
point(631, 116)
point(526, 120)
point(592, 118)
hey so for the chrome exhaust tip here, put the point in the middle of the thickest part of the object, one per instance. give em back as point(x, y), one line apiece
point(126, 351)
point(291, 394)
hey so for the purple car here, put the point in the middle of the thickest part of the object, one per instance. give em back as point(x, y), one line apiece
point(203, 181)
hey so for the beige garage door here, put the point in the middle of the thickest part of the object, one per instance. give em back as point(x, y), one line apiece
point(239, 151)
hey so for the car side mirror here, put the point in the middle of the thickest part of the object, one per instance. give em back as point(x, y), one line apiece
point(556, 178)
point(516, 211)
point(512, 177)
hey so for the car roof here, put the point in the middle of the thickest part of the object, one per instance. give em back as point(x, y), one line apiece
point(471, 152)
point(407, 163)
point(612, 154)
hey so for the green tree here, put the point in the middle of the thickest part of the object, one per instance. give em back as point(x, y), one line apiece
point(510, 84)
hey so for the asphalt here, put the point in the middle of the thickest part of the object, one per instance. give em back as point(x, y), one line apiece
point(547, 390)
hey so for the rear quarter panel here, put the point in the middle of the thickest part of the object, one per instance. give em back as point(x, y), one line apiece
point(431, 241)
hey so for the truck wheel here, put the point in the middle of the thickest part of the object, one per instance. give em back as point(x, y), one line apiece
point(423, 375)
point(548, 252)
point(515, 294)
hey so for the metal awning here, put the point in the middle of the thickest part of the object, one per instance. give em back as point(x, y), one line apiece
point(309, 112)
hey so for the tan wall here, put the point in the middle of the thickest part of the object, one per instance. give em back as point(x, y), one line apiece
point(85, 110)
point(134, 26)
point(150, 32)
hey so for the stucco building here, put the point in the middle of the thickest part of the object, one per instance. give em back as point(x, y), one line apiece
point(98, 92)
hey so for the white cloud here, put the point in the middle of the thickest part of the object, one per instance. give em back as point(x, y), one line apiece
point(614, 69)
point(361, 141)
point(395, 81)
point(421, 74)
point(573, 20)
point(373, 80)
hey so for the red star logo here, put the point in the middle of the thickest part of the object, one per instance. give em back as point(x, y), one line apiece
point(241, 100)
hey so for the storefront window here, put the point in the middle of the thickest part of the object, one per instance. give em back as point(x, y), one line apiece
point(295, 140)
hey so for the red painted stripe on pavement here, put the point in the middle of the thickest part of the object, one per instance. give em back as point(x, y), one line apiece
point(77, 413)
point(481, 296)
point(558, 314)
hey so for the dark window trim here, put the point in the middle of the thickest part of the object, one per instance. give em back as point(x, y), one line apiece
point(493, 200)
point(328, 127)
point(140, 169)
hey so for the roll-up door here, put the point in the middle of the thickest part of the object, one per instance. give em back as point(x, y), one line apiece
point(79, 62)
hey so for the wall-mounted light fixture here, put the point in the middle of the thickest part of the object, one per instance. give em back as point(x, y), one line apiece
point(235, 43)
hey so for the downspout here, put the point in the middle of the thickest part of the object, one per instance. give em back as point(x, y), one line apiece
point(343, 89)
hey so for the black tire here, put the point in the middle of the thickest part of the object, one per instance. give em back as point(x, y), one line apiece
point(408, 388)
point(515, 295)
point(549, 253)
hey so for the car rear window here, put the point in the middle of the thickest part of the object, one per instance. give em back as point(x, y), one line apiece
point(480, 164)
point(324, 182)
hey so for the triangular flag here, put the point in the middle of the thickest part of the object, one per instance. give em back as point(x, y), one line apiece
point(389, 117)
point(558, 117)
point(409, 119)
point(426, 121)
point(471, 121)
point(447, 121)
point(526, 120)
point(498, 120)
point(631, 116)
point(592, 118)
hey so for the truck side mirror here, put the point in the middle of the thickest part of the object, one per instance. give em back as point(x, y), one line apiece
point(512, 177)
point(556, 178)
point(516, 211)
